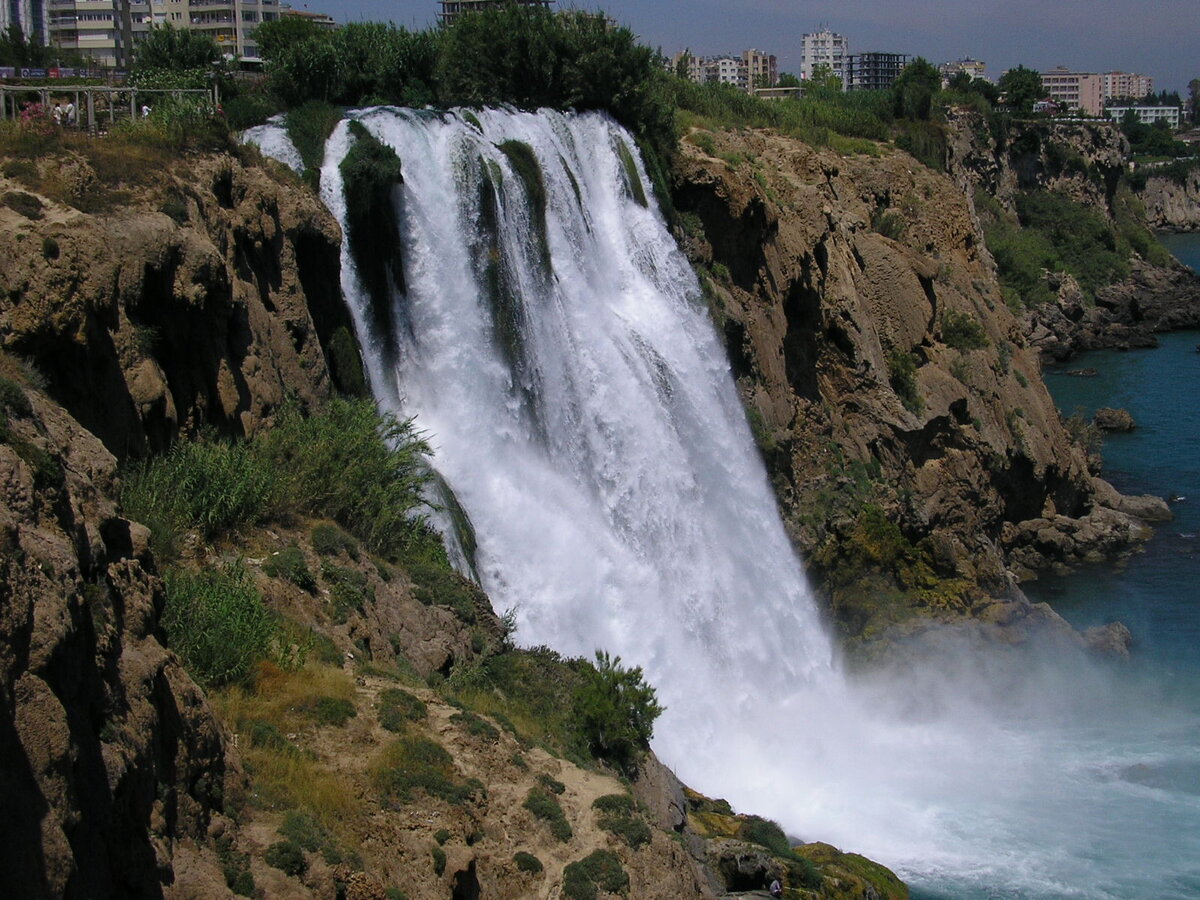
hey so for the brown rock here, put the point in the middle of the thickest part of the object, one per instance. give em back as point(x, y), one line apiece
point(1109, 419)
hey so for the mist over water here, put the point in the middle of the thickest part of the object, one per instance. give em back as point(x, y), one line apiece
point(583, 414)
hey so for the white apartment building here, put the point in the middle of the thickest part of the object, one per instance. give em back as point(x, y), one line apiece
point(30, 15)
point(823, 48)
point(1075, 90)
point(976, 68)
point(1126, 84)
point(1147, 115)
point(230, 23)
point(103, 31)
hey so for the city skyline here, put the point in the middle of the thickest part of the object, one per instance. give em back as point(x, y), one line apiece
point(1158, 39)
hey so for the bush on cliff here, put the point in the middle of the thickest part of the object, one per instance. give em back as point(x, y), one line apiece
point(216, 621)
point(615, 711)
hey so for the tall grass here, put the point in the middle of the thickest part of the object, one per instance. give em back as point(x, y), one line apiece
point(216, 621)
point(348, 462)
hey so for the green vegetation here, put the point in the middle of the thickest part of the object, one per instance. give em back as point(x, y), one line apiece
point(309, 126)
point(476, 725)
point(902, 376)
point(290, 565)
point(620, 816)
point(553, 785)
point(766, 833)
point(348, 590)
point(598, 871)
point(962, 332)
point(287, 856)
point(439, 860)
point(329, 540)
point(216, 621)
point(412, 763)
point(546, 808)
point(397, 708)
point(527, 862)
point(175, 49)
point(335, 711)
point(1022, 87)
point(616, 710)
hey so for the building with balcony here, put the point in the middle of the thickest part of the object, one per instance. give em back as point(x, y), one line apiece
point(452, 10)
point(32, 16)
point(762, 70)
point(1118, 85)
point(873, 71)
point(823, 48)
point(1075, 90)
point(102, 31)
point(230, 23)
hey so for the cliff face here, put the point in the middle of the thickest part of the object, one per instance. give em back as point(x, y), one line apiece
point(109, 751)
point(888, 383)
point(1084, 162)
point(1171, 205)
point(201, 303)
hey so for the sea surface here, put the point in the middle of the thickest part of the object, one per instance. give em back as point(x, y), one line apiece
point(1154, 818)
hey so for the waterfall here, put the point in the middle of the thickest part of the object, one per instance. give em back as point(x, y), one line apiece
point(552, 341)
point(554, 344)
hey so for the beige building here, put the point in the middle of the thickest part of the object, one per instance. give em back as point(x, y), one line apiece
point(746, 72)
point(230, 23)
point(976, 68)
point(103, 31)
point(762, 71)
point(1126, 84)
point(1075, 90)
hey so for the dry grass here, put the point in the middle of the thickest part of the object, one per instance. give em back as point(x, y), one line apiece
point(283, 775)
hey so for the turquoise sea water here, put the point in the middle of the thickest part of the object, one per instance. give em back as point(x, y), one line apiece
point(1157, 594)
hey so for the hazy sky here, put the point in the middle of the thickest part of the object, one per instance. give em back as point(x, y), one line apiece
point(1160, 38)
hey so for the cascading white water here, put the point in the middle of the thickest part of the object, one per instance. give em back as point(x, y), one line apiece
point(581, 409)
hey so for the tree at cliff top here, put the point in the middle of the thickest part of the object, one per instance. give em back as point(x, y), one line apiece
point(175, 49)
point(1021, 88)
point(616, 711)
point(914, 90)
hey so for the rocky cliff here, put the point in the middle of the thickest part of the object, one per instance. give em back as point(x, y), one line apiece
point(1172, 204)
point(1085, 163)
point(920, 464)
point(137, 309)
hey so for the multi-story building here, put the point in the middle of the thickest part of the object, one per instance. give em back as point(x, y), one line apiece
point(746, 72)
point(452, 9)
point(230, 23)
point(761, 68)
point(973, 67)
point(823, 48)
point(30, 15)
point(1075, 90)
point(1147, 115)
point(873, 71)
point(102, 31)
point(1126, 84)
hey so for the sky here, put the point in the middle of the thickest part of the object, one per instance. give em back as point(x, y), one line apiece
point(1160, 38)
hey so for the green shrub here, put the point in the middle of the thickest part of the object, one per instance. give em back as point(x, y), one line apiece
point(476, 726)
point(553, 785)
point(216, 621)
point(546, 808)
point(902, 375)
point(397, 707)
point(13, 398)
point(290, 565)
point(441, 836)
point(309, 126)
point(527, 862)
point(287, 856)
point(615, 804)
point(765, 833)
point(962, 332)
point(348, 590)
point(888, 222)
point(346, 365)
point(439, 860)
point(436, 584)
point(304, 830)
point(25, 204)
point(50, 249)
point(329, 540)
point(331, 711)
point(598, 871)
point(413, 763)
point(615, 711)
